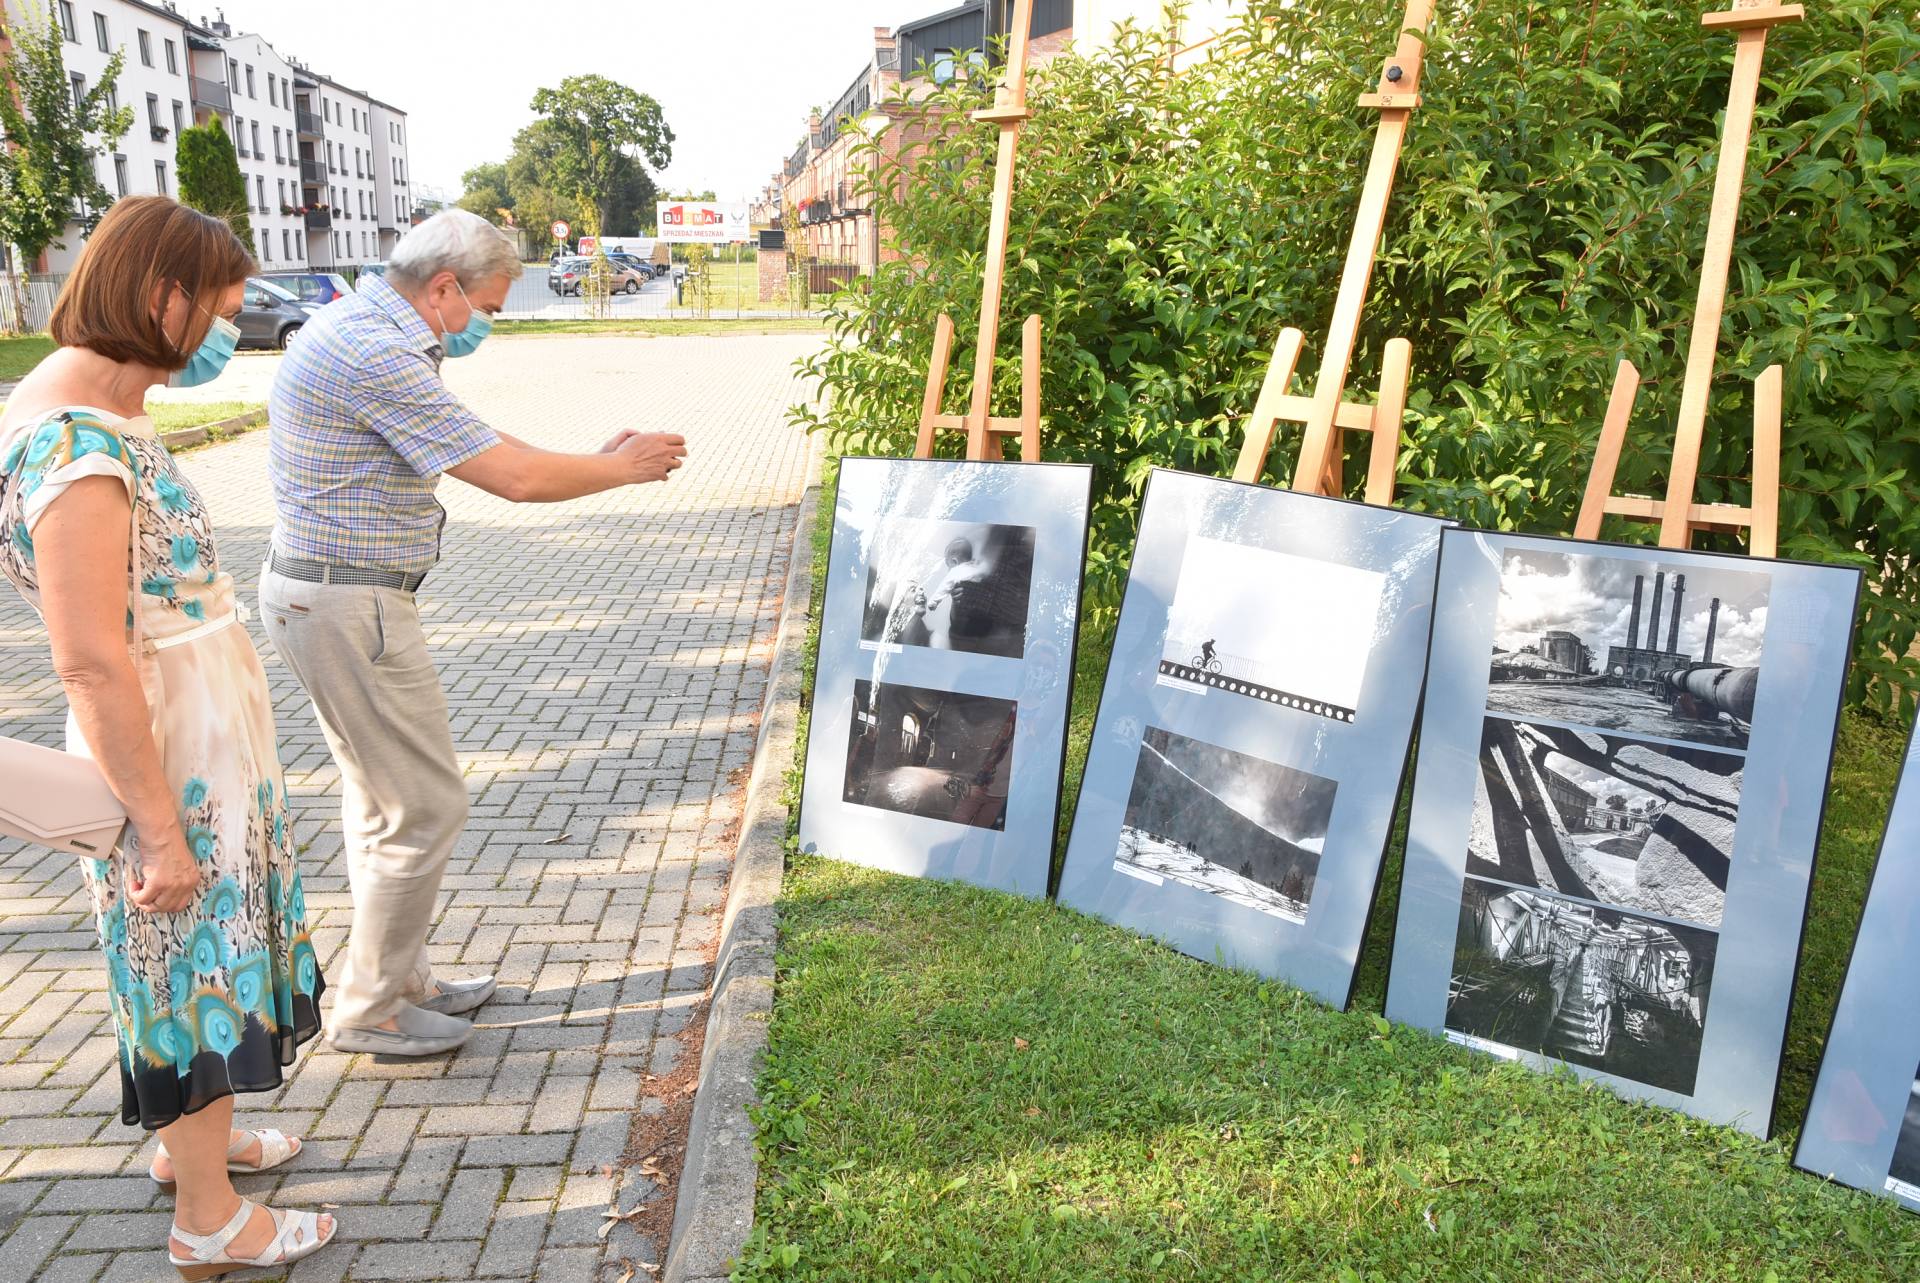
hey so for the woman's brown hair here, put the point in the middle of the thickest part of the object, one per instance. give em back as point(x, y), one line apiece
point(144, 243)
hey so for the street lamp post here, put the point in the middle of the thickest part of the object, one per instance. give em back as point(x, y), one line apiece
point(873, 125)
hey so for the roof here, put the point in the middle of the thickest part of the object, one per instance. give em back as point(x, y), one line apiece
point(971, 6)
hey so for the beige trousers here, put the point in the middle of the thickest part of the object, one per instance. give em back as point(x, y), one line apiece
point(362, 658)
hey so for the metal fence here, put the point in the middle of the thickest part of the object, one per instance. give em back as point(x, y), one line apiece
point(731, 285)
point(26, 300)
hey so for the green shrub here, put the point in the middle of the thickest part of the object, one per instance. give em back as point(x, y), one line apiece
point(1548, 221)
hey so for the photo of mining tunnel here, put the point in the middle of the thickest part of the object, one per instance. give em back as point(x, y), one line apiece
point(949, 585)
point(1906, 1152)
point(1648, 648)
point(939, 754)
point(1606, 817)
point(1613, 991)
point(1246, 830)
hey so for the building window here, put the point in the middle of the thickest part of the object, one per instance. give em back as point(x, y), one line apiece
point(100, 36)
point(250, 92)
point(330, 168)
point(254, 127)
point(273, 93)
point(79, 90)
point(260, 191)
point(153, 111)
point(113, 98)
point(283, 191)
point(68, 28)
point(240, 135)
point(120, 184)
point(173, 60)
point(160, 176)
point(233, 72)
point(266, 246)
point(179, 117)
point(146, 48)
point(278, 154)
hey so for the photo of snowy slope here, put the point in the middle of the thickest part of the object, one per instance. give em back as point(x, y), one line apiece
point(1246, 830)
point(1643, 647)
point(1606, 818)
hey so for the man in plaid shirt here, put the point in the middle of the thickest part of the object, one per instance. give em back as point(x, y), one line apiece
point(361, 430)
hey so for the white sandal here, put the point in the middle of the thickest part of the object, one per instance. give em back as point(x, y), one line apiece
point(275, 1149)
point(296, 1236)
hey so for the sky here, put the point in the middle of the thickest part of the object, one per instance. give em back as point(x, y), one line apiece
point(734, 80)
point(1592, 597)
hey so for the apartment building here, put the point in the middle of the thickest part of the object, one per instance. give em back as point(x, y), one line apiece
point(325, 165)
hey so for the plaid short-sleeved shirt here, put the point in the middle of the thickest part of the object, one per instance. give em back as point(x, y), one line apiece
point(360, 428)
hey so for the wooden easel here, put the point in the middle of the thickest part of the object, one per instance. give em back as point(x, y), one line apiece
point(1679, 516)
point(1325, 415)
point(984, 430)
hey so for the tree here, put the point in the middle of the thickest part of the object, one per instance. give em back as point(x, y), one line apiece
point(48, 177)
point(591, 122)
point(485, 192)
point(210, 177)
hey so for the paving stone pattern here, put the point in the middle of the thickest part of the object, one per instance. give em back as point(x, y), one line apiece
point(605, 662)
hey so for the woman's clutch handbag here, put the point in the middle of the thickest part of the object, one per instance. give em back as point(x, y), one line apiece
point(58, 800)
point(61, 800)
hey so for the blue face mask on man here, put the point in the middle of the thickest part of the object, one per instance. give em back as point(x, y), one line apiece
point(463, 342)
point(210, 357)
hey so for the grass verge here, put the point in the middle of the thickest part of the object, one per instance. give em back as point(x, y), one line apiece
point(963, 1085)
point(179, 416)
point(18, 355)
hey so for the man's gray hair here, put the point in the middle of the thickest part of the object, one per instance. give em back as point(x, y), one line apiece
point(456, 241)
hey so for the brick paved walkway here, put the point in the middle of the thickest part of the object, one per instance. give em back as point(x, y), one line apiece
point(605, 662)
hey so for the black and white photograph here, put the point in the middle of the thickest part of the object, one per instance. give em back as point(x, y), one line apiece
point(938, 754)
point(1906, 1151)
point(1616, 992)
point(1273, 626)
point(1604, 817)
point(1246, 830)
point(1629, 645)
point(949, 585)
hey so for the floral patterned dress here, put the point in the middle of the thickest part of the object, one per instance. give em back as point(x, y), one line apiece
point(213, 999)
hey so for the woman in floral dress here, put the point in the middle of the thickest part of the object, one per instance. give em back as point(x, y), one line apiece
point(212, 977)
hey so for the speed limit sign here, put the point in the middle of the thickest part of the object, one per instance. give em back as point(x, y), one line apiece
point(559, 229)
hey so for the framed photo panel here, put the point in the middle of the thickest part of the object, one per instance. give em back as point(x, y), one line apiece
point(1253, 730)
point(946, 661)
point(1863, 1126)
point(1623, 763)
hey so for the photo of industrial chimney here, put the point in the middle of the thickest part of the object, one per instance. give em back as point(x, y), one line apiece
point(1650, 649)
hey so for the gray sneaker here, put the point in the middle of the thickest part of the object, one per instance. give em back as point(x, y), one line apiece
point(421, 1033)
point(458, 997)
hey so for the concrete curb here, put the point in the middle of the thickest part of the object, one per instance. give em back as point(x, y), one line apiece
point(713, 1214)
point(198, 436)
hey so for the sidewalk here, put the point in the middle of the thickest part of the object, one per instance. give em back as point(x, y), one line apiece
point(605, 662)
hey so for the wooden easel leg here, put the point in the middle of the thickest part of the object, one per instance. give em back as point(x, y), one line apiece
point(1606, 455)
point(1258, 438)
point(1030, 390)
point(936, 385)
point(1764, 537)
point(1389, 414)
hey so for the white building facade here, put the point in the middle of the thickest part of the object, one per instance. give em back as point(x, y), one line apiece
point(325, 165)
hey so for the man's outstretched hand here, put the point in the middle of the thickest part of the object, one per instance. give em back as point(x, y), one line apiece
point(650, 456)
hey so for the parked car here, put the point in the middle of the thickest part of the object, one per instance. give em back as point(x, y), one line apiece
point(318, 288)
point(269, 315)
point(646, 269)
point(566, 276)
point(373, 269)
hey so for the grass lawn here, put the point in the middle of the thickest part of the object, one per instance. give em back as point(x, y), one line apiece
point(178, 416)
point(21, 354)
point(661, 328)
point(964, 1085)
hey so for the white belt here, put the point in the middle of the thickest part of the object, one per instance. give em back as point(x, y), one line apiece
point(238, 615)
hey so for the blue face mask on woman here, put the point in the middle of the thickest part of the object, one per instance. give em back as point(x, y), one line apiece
point(210, 357)
point(463, 342)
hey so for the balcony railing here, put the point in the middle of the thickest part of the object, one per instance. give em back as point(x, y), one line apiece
point(313, 173)
point(307, 125)
point(318, 219)
point(209, 93)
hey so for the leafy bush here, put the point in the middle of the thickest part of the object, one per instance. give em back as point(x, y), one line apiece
point(1548, 221)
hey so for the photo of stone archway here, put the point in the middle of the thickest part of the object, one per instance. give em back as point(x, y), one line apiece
point(1607, 818)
